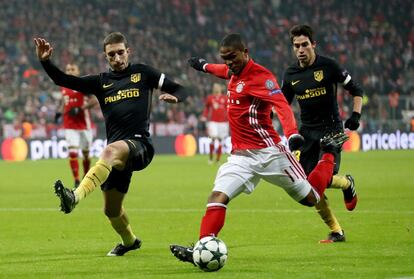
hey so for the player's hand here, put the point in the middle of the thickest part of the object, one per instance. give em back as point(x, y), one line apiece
point(295, 142)
point(197, 63)
point(43, 49)
point(58, 115)
point(75, 111)
point(352, 123)
point(168, 98)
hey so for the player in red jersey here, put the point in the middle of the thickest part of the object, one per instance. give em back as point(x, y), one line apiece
point(77, 124)
point(215, 113)
point(257, 151)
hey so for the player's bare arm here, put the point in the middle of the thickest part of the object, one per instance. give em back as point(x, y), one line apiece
point(357, 104)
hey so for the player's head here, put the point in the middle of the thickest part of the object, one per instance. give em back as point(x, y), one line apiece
point(234, 52)
point(72, 69)
point(217, 88)
point(303, 44)
point(116, 51)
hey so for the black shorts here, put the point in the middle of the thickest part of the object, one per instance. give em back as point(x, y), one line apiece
point(140, 156)
point(310, 152)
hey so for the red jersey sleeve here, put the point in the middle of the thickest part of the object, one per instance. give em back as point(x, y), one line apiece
point(267, 88)
point(219, 70)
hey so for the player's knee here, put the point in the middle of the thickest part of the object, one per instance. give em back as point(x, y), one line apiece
point(108, 152)
point(218, 197)
point(112, 212)
point(85, 153)
point(73, 153)
point(116, 154)
point(310, 200)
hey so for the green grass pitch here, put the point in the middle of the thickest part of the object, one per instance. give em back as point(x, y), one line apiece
point(267, 233)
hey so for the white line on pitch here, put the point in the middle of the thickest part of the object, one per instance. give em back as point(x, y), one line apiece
point(184, 210)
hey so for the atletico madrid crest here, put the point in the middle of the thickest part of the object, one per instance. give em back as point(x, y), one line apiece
point(318, 75)
point(136, 77)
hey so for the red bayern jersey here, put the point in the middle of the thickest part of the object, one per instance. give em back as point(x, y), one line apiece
point(251, 96)
point(73, 98)
point(216, 108)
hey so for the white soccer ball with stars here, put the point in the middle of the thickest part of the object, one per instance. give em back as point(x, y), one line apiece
point(210, 253)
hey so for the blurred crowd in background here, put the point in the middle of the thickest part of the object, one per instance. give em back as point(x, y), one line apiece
point(373, 40)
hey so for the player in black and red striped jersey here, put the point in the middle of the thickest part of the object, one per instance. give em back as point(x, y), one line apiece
point(124, 94)
point(313, 80)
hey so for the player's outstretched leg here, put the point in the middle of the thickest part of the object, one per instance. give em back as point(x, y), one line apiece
point(120, 249)
point(333, 143)
point(182, 253)
point(66, 196)
point(350, 195)
point(330, 220)
point(321, 175)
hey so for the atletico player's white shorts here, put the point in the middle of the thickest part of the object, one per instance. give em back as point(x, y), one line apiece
point(219, 130)
point(80, 139)
point(276, 165)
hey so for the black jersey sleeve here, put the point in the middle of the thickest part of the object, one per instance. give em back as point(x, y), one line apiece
point(155, 77)
point(175, 89)
point(287, 91)
point(159, 81)
point(354, 88)
point(86, 84)
point(342, 76)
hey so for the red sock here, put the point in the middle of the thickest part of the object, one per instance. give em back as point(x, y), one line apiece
point(321, 175)
point(86, 165)
point(211, 149)
point(219, 152)
point(74, 165)
point(212, 221)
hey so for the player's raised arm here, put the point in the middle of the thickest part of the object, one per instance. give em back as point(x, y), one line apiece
point(200, 64)
point(44, 52)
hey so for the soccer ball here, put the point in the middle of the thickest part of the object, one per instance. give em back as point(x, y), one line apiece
point(210, 253)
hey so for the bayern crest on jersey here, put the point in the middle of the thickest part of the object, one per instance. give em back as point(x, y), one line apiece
point(239, 87)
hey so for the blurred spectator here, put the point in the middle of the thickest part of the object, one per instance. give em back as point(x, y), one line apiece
point(394, 99)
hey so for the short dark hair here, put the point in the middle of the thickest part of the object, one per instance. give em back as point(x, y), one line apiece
point(115, 38)
point(234, 40)
point(301, 29)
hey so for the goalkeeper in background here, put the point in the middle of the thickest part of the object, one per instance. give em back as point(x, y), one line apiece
point(77, 124)
point(313, 80)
